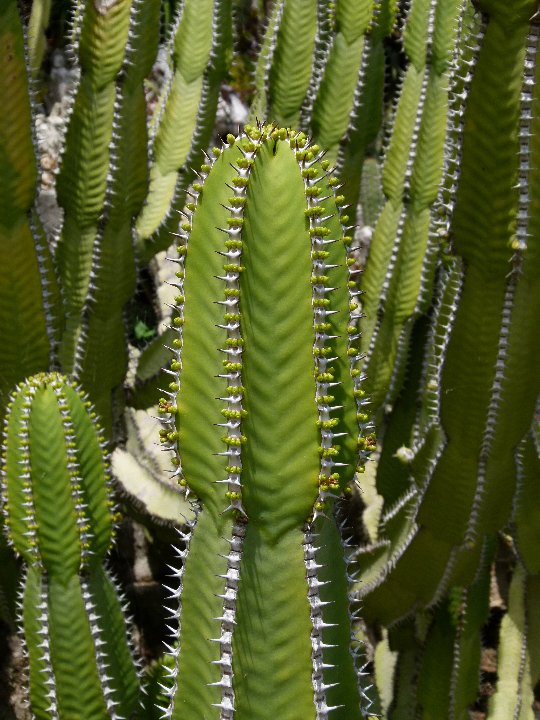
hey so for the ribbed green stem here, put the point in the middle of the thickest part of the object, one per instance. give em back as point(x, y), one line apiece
point(366, 115)
point(101, 345)
point(481, 460)
point(399, 270)
point(56, 498)
point(294, 32)
point(39, 20)
point(199, 49)
point(343, 71)
point(29, 300)
point(84, 179)
point(256, 425)
point(482, 354)
point(518, 656)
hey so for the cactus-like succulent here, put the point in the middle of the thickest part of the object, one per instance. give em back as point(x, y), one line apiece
point(334, 102)
point(101, 188)
point(268, 422)
point(198, 50)
point(263, 381)
point(426, 525)
point(82, 182)
point(30, 312)
point(399, 271)
point(37, 40)
point(58, 514)
point(453, 485)
point(366, 115)
point(329, 45)
point(113, 202)
point(295, 31)
point(519, 655)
